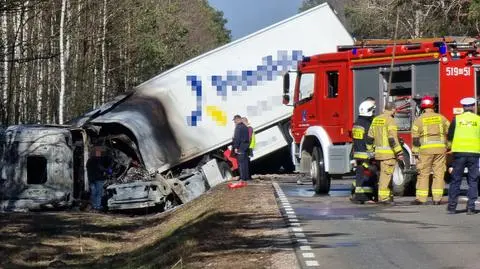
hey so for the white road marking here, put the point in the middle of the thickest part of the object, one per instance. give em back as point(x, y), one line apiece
point(308, 255)
point(305, 248)
point(299, 236)
point(311, 263)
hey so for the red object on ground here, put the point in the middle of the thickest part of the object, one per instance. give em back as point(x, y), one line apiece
point(235, 185)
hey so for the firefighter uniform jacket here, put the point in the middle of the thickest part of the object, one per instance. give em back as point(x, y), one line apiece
point(465, 133)
point(382, 137)
point(359, 135)
point(429, 133)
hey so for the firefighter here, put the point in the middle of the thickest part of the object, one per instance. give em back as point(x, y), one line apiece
point(383, 140)
point(429, 133)
point(464, 134)
point(364, 183)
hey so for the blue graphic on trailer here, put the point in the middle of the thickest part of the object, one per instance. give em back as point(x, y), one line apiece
point(268, 71)
point(196, 115)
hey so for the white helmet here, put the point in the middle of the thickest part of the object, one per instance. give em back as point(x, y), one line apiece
point(366, 108)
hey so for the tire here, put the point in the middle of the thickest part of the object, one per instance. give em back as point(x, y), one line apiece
point(403, 179)
point(225, 170)
point(320, 178)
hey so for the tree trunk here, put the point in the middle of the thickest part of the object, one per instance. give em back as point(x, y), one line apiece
point(61, 97)
point(104, 57)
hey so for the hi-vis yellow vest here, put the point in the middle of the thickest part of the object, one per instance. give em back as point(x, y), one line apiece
point(252, 141)
point(467, 133)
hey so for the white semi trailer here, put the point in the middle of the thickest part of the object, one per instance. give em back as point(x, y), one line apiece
point(177, 123)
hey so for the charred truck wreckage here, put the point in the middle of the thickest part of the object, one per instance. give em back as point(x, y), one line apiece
point(45, 166)
point(168, 138)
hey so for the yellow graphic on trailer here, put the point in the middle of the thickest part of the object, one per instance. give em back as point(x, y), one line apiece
point(218, 115)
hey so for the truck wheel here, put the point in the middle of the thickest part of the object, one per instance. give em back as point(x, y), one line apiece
point(321, 179)
point(225, 170)
point(403, 182)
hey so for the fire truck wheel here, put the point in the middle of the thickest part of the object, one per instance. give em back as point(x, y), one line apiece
point(321, 179)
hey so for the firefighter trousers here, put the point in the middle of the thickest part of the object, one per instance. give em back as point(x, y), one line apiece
point(365, 181)
point(386, 172)
point(425, 165)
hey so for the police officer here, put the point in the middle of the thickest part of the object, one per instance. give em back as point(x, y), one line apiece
point(363, 190)
point(383, 139)
point(464, 134)
point(429, 133)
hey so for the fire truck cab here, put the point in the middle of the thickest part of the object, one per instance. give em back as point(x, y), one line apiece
point(329, 88)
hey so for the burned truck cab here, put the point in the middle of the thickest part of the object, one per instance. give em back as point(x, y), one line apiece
point(37, 167)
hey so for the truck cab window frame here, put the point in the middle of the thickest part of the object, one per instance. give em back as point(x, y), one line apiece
point(332, 83)
point(306, 87)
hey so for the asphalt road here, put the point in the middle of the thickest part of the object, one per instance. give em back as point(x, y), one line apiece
point(331, 232)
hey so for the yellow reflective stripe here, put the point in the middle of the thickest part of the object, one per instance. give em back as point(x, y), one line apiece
point(384, 193)
point(425, 134)
point(378, 122)
point(414, 128)
point(397, 149)
point(363, 190)
point(415, 149)
point(432, 120)
point(358, 133)
point(437, 192)
point(361, 155)
point(392, 128)
point(442, 136)
point(384, 151)
point(384, 136)
point(422, 193)
point(429, 146)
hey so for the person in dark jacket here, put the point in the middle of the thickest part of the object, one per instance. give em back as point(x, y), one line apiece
point(98, 167)
point(241, 144)
point(365, 178)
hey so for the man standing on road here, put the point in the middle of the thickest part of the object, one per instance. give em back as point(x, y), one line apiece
point(364, 179)
point(241, 143)
point(464, 134)
point(382, 138)
point(429, 133)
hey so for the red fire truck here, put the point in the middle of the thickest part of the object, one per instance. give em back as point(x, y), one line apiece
point(330, 87)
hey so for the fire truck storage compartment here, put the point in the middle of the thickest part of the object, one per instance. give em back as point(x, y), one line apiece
point(339, 160)
point(409, 83)
point(400, 94)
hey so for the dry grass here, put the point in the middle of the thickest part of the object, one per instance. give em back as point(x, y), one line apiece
point(226, 228)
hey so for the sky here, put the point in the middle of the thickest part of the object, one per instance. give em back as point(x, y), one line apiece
point(247, 16)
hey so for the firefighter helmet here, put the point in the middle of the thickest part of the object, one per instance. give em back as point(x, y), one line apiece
point(366, 108)
point(427, 102)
